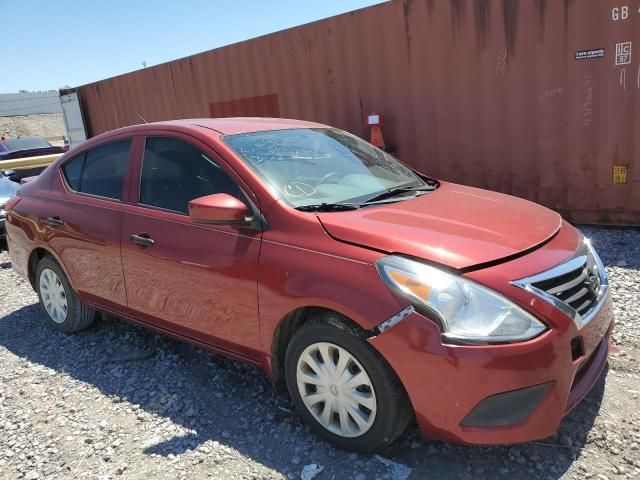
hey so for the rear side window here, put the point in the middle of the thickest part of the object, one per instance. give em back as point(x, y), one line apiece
point(99, 171)
point(175, 172)
point(72, 171)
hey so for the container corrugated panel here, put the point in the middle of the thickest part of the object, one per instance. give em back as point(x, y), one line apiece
point(536, 98)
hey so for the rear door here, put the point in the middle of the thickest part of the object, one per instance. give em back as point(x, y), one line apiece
point(84, 222)
point(196, 280)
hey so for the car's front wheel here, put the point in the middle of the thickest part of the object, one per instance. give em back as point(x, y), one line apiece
point(342, 388)
point(62, 306)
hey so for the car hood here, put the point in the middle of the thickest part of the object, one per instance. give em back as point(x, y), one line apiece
point(457, 226)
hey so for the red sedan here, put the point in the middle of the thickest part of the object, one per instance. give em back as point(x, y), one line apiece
point(371, 293)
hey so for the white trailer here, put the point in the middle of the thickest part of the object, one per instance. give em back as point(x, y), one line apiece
point(74, 124)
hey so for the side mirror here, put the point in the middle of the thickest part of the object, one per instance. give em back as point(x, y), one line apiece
point(8, 172)
point(219, 208)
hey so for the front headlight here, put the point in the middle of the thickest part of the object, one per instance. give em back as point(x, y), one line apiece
point(466, 311)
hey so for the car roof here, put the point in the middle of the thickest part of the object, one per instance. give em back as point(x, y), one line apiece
point(231, 125)
point(22, 142)
point(221, 126)
point(227, 126)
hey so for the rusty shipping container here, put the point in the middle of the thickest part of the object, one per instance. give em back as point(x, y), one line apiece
point(536, 98)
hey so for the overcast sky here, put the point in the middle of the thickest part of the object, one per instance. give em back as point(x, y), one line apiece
point(45, 45)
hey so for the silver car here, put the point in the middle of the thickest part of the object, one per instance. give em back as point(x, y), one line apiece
point(8, 189)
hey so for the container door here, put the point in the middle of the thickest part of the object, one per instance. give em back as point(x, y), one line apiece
point(73, 119)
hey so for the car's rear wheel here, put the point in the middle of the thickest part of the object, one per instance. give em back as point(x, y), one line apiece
point(62, 306)
point(343, 389)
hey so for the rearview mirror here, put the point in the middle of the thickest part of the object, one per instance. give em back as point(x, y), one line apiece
point(219, 208)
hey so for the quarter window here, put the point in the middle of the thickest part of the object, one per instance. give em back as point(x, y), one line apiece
point(175, 172)
point(72, 171)
point(99, 171)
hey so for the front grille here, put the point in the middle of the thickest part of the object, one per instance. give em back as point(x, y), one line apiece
point(577, 288)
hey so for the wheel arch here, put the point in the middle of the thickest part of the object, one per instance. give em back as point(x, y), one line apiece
point(37, 254)
point(285, 330)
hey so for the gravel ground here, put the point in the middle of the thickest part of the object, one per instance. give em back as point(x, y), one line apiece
point(118, 401)
point(44, 125)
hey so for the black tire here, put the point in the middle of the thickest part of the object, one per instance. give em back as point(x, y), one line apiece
point(394, 410)
point(79, 316)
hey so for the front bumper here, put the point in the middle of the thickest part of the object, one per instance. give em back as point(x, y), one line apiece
point(446, 383)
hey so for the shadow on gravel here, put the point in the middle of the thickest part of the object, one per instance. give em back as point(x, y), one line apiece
point(225, 401)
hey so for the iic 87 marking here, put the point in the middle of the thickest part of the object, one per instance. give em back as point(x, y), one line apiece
point(623, 53)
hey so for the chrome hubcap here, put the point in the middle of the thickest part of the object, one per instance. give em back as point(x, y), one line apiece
point(336, 389)
point(53, 295)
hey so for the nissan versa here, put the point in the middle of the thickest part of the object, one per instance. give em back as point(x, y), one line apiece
point(372, 293)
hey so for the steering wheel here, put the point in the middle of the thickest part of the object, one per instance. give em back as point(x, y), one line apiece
point(330, 175)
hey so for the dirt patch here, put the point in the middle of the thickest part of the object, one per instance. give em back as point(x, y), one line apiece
point(44, 125)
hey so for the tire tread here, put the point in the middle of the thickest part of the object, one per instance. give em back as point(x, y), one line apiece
point(402, 411)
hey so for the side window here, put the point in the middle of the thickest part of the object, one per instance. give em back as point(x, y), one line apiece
point(104, 169)
point(99, 171)
point(175, 172)
point(72, 171)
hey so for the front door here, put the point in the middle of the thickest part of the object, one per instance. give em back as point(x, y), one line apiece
point(196, 280)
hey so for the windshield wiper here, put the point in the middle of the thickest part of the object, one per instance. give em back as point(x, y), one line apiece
point(328, 207)
point(392, 192)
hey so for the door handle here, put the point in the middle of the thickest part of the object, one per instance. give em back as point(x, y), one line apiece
point(54, 222)
point(143, 239)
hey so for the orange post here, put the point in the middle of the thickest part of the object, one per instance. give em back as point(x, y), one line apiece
point(374, 122)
